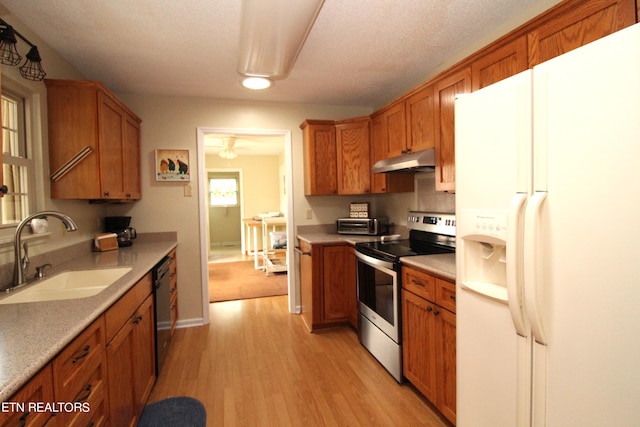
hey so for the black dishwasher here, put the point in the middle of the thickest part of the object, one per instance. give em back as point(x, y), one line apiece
point(162, 301)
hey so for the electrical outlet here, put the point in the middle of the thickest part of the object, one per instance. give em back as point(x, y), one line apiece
point(187, 191)
point(309, 214)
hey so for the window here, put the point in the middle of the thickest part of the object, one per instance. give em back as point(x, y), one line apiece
point(223, 191)
point(17, 166)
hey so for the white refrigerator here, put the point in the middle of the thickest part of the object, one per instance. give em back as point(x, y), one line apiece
point(548, 243)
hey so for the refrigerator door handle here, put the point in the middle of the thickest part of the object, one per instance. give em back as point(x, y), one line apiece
point(514, 265)
point(532, 267)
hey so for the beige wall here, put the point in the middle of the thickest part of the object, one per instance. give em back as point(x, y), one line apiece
point(172, 122)
point(86, 216)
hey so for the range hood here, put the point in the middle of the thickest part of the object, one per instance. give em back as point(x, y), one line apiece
point(413, 162)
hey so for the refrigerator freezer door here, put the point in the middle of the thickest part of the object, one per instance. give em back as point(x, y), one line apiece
point(493, 150)
point(587, 155)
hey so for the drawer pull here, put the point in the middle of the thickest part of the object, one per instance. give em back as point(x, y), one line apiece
point(429, 309)
point(417, 282)
point(87, 393)
point(23, 419)
point(453, 297)
point(138, 320)
point(82, 355)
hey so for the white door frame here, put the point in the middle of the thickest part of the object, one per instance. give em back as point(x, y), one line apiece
point(203, 212)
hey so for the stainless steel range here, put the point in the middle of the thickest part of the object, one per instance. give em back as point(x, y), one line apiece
point(380, 281)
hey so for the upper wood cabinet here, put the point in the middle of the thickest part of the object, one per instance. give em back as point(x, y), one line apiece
point(445, 90)
point(499, 63)
point(394, 137)
point(354, 164)
point(320, 157)
point(582, 22)
point(85, 115)
point(420, 118)
point(384, 182)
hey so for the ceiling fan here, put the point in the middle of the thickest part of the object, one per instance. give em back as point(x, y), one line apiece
point(229, 146)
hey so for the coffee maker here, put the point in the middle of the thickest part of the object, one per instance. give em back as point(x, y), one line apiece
point(120, 226)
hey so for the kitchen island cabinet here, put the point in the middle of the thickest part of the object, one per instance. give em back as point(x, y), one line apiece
point(85, 118)
point(327, 285)
point(429, 338)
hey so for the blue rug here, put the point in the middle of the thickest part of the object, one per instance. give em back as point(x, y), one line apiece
point(174, 411)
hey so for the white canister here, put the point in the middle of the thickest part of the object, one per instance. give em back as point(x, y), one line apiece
point(39, 225)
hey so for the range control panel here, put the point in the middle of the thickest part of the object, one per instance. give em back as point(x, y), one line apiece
point(433, 222)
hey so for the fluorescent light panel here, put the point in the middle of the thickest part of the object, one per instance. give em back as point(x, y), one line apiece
point(272, 34)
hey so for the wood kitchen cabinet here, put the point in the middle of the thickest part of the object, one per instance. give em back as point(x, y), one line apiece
point(499, 63)
point(85, 116)
point(130, 327)
point(429, 338)
point(80, 375)
point(353, 159)
point(577, 23)
point(445, 90)
point(38, 389)
point(384, 182)
point(320, 157)
point(327, 285)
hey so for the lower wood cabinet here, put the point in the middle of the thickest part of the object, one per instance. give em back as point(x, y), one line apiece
point(38, 389)
point(328, 285)
point(107, 371)
point(429, 338)
point(131, 353)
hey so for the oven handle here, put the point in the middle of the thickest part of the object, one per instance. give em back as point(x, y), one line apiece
point(374, 262)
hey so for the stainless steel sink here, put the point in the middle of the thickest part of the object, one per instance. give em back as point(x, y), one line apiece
point(67, 285)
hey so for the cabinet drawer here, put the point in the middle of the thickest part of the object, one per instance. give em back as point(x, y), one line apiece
point(38, 389)
point(419, 283)
point(122, 310)
point(91, 401)
point(446, 294)
point(75, 366)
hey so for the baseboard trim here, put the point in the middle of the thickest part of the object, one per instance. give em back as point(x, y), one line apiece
point(190, 323)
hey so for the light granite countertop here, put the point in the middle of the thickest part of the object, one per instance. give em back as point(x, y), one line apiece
point(440, 265)
point(32, 334)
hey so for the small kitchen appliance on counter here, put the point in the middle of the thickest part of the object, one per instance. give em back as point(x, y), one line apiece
point(120, 226)
point(363, 226)
point(380, 280)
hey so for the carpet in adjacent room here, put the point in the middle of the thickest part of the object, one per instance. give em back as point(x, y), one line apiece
point(240, 280)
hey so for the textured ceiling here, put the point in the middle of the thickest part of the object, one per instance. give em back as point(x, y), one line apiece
point(359, 53)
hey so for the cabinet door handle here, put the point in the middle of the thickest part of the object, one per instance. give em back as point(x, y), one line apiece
point(106, 194)
point(137, 320)
point(436, 312)
point(86, 395)
point(23, 419)
point(452, 297)
point(429, 309)
point(85, 353)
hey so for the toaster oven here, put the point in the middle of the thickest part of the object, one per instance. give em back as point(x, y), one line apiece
point(364, 226)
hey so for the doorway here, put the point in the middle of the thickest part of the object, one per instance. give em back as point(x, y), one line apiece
point(281, 184)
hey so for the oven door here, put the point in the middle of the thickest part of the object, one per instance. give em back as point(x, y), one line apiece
point(379, 294)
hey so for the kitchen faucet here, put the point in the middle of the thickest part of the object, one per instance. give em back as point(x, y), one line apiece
point(19, 268)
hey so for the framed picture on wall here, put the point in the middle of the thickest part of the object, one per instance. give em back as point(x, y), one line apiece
point(172, 165)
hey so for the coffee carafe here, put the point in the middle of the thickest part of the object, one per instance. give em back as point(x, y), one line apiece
point(120, 226)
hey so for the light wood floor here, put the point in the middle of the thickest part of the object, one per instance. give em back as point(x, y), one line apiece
point(256, 365)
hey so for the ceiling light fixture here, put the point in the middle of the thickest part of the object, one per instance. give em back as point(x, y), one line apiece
point(272, 34)
point(227, 151)
point(256, 83)
point(32, 67)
